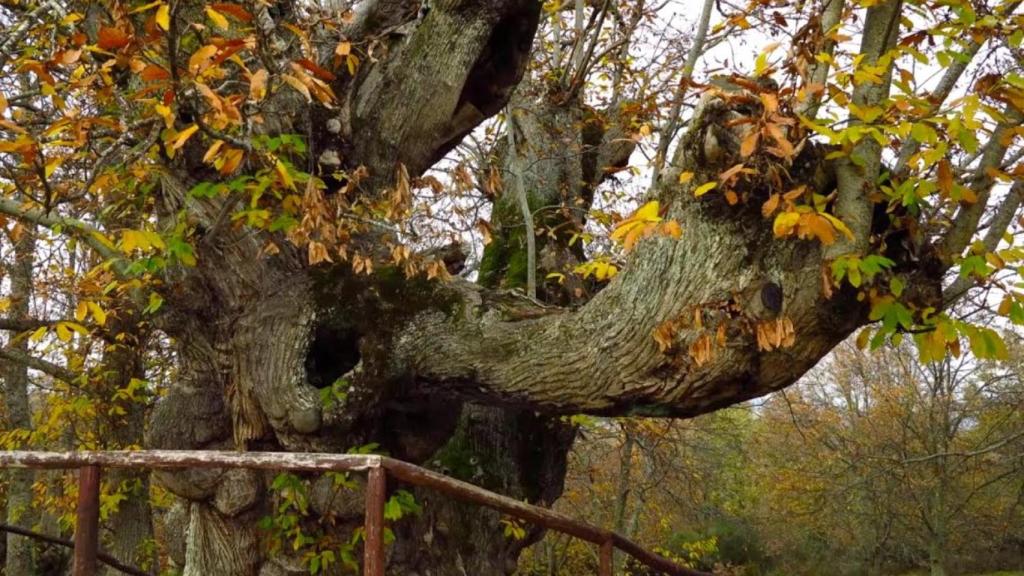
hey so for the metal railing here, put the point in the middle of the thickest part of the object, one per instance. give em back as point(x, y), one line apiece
point(377, 468)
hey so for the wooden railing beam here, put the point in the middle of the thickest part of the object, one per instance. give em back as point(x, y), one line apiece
point(606, 566)
point(373, 545)
point(87, 522)
point(377, 467)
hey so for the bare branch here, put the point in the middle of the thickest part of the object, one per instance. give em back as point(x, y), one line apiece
point(39, 364)
point(672, 125)
point(966, 221)
point(997, 228)
point(85, 232)
point(829, 19)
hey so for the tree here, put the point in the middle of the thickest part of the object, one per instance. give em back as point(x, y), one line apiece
point(901, 465)
point(246, 175)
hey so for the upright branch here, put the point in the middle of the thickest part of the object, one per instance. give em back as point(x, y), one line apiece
point(856, 174)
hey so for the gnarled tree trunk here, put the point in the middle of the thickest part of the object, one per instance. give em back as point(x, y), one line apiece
point(466, 377)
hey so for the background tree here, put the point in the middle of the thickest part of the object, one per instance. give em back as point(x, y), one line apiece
point(245, 175)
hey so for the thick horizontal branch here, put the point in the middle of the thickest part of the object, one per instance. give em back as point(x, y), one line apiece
point(85, 232)
point(24, 324)
point(39, 364)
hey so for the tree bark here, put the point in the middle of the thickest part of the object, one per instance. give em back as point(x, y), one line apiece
point(20, 511)
point(259, 335)
point(472, 377)
point(131, 525)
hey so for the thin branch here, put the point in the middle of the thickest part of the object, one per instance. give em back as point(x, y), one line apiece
point(524, 205)
point(101, 556)
point(831, 15)
point(670, 128)
point(966, 221)
point(1001, 222)
point(854, 179)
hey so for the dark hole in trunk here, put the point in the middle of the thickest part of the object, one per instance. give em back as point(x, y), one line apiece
point(332, 353)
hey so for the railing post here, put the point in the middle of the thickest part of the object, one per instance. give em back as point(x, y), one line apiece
point(607, 558)
point(373, 551)
point(87, 521)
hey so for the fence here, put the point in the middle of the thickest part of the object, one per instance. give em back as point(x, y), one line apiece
point(377, 468)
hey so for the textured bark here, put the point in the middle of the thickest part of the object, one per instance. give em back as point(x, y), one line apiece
point(468, 377)
point(514, 453)
point(20, 512)
point(259, 334)
point(603, 358)
point(566, 149)
point(131, 525)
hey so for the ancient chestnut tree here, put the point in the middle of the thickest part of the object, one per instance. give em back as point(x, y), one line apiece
point(262, 192)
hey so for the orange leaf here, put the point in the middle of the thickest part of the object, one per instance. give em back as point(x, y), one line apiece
point(234, 10)
point(769, 207)
point(200, 60)
point(820, 228)
point(945, 177)
point(749, 144)
point(298, 85)
point(258, 85)
point(316, 70)
point(152, 73)
point(726, 176)
point(230, 160)
point(111, 38)
point(785, 147)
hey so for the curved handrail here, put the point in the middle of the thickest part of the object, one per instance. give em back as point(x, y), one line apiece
point(319, 462)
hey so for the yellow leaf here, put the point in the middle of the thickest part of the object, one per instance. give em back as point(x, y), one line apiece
point(211, 152)
point(97, 313)
point(1006, 306)
point(145, 7)
point(52, 166)
point(166, 114)
point(163, 17)
point(685, 177)
point(217, 18)
point(62, 332)
point(286, 178)
point(258, 85)
point(74, 326)
point(648, 212)
point(784, 223)
point(200, 59)
point(704, 189)
point(630, 230)
point(80, 311)
point(298, 85)
point(838, 225)
point(38, 334)
point(183, 137)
